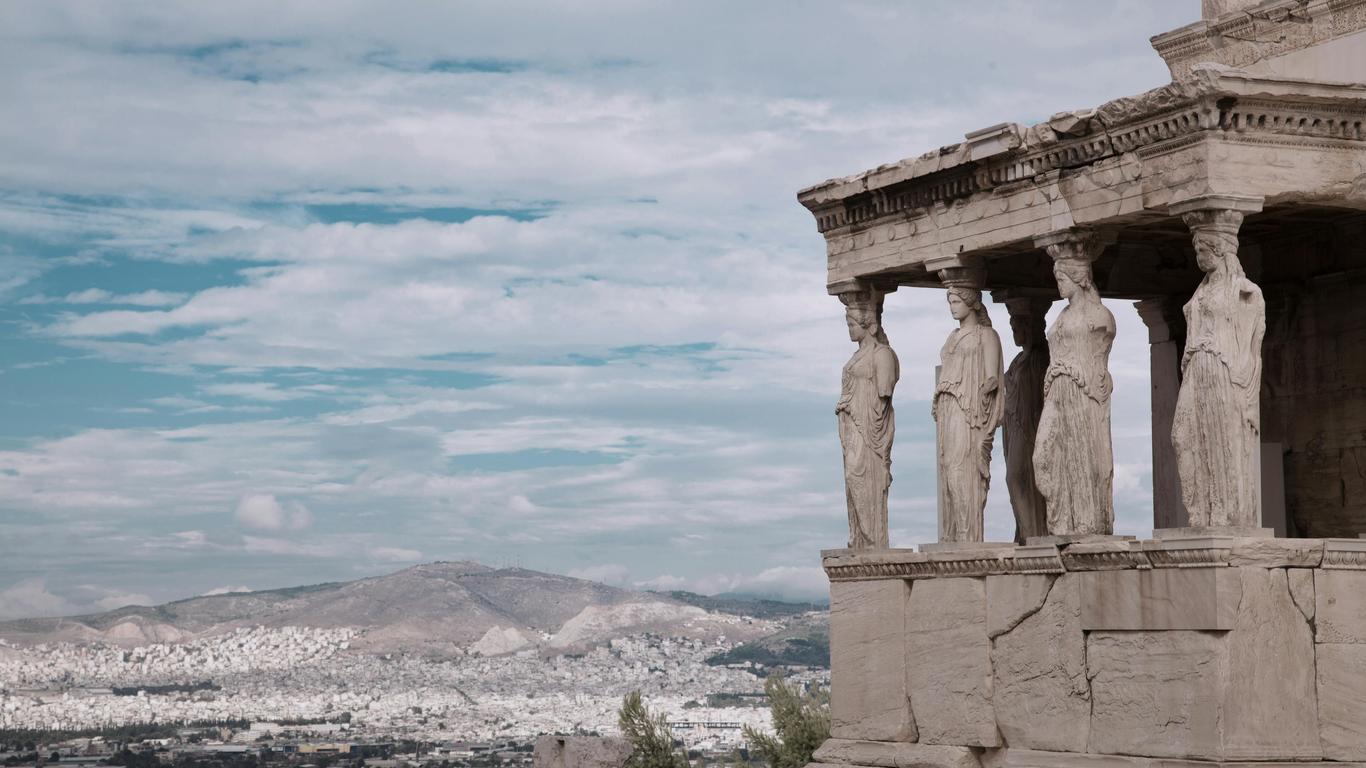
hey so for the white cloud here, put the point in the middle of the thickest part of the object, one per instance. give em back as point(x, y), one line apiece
point(265, 512)
point(395, 554)
point(101, 296)
point(225, 591)
point(31, 599)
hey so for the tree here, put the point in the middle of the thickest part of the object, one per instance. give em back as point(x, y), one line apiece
point(801, 722)
point(652, 744)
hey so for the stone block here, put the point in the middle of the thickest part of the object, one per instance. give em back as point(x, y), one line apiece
point(868, 697)
point(1277, 553)
point(949, 663)
point(1342, 703)
point(580, 752)
point(1011, 598)
point(1156, 694)
point(1340, 606)
point(1160, 598)
point(1302, 590)
point(893, 755)
point(1040, 693)
point(1269, 709)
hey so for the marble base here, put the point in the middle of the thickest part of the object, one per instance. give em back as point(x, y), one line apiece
point(882, 754)
point(1075, 538)
point(965, 546)
point(1203, 531)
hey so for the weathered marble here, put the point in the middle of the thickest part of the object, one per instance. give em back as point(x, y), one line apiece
point(1041, 695)
point(948, 657)
point(967, 408)
point(1160, 599)
point(1024, 383)
point(1073, 458)
point(1342, 718)
point(1217, 423)
point(1012, 598)
point(1340, 606)
point(1269, 709)
point(893, 755)
point(1156, 693)
point(580, 752)
point(867, 423)
point(1277, 553)
point(868, 697)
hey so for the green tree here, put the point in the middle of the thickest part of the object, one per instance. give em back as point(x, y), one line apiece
point(801, 723)
point(652, 744)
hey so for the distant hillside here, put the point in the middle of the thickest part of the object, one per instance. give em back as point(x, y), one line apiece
point(439, 608)
point(745, 605)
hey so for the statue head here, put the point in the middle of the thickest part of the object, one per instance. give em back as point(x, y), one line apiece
point(1074, 277)
point(1215, 238)
point(863, 314)
point(966, 302)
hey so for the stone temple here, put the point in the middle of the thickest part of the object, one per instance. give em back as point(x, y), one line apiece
point(1230, 207)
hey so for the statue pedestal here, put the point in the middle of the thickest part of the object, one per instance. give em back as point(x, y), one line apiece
point(965, 546)
point(1118, 653)
point(1196, 531)
point(1075, 538)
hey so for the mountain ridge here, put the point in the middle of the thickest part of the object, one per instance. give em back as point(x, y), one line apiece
point(439, 608)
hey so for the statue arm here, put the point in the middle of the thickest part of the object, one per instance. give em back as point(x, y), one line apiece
point(989, 393)
point(885, 371)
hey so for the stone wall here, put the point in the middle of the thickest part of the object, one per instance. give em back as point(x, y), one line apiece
point(1233, 650)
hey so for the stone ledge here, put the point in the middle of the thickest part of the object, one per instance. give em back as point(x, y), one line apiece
point(990, 559)
point(1028, 758)
point(887, 754)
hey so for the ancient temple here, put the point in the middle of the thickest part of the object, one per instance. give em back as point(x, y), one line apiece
point(1229, 206)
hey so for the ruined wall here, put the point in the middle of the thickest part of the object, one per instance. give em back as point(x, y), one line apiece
point(1314, 377)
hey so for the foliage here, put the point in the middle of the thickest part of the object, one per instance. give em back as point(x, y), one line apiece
point(652, 744)
point(813, 651)
point(801, 721)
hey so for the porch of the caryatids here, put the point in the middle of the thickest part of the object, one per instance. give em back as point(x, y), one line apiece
point(1073, 457)
point(1024, 380)
point(1216, 426)
point(967, 407)
point(867, 422)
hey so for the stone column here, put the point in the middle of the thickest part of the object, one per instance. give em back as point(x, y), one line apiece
point(1073, 457)
point(1024, 405)
point(1166, 340)
point(1216, 426)
point(967, 405)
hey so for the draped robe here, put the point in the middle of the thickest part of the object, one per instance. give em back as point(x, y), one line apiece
point(1024, 405)
point(1073, 458)
point(966, 418)
point(867, 425)
point(1217, 425)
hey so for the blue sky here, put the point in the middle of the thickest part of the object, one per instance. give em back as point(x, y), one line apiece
point(302, 292)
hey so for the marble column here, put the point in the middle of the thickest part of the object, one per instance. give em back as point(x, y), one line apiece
point(1216, 427)
point(967, 407)
point(1024, 380)
point(1073, 456)
point(1166, 340)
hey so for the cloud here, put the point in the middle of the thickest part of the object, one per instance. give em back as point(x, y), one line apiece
point(795, 583)
point(31, 599)
point(225, 591)
point(100, 296)
point(264, 512)
point(395, 554)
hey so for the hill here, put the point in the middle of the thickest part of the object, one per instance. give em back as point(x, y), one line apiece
point(435, 609)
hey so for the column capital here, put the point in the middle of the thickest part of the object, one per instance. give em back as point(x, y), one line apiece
point(859, 285)
point(966, 269)
point(1079, 243)
point(1214, 202)
point(1162, 316)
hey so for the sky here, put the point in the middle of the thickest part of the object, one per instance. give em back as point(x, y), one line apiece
point(311, 291)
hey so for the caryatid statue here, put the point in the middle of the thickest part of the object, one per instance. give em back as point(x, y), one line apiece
point(1217, 424)
point(1024, 405)
point(866, 421)
point(967, 408)
point(1073, 458)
